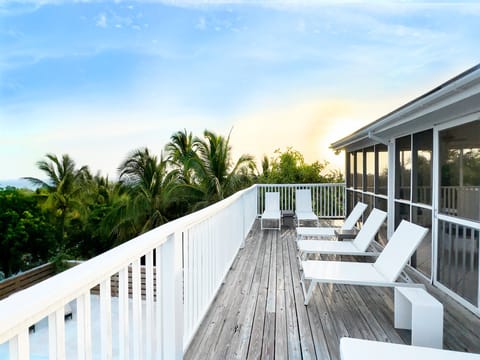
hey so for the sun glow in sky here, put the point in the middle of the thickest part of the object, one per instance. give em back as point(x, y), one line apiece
point(97, 79)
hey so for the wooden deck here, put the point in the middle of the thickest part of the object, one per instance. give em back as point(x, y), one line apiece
point(259, 312)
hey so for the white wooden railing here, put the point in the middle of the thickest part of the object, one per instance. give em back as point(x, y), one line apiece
point(192, 255)
point(185, 262)
point(328, 200)
point(462, 201)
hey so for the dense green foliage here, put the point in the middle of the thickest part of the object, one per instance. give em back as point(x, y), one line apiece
point(289, 167)
point(74, 214)
point(26, 234)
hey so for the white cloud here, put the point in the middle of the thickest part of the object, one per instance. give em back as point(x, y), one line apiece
point(101, 20)
point(202, 23)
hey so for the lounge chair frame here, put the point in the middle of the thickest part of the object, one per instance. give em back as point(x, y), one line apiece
point(329, 231)
point(355, 247)
point(272, 211)
point(303, 207)
point(383, 272)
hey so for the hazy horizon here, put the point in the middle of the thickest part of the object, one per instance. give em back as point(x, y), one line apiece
point(99, 79)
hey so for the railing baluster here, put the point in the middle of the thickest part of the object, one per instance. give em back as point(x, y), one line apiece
point(186, 280)
point(106, 319)
point(123, 311)
point(159, 308)
point(328, 201)
point(210, 258)
point(194, 244)
point(84, 327)
point(56, 334)
point(19, 346)
point(149, 304)
point(137, 310)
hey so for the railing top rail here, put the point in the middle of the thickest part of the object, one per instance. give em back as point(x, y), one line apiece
point(33, 304)
point(301, 185)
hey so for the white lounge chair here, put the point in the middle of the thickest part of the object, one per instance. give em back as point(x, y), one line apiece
point(383, 272)
point(272, 210)
point(303, 206)
point(348, 224)
point(357, 349)
point(358, 246)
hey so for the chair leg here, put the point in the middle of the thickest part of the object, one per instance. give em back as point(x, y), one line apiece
point(307, 294)
point(299, 259)
point(404, 276)
point(301, 256)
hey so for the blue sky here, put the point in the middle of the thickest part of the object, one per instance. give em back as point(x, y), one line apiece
point(97, 79)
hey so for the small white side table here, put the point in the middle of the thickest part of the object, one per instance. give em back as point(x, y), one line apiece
point(419, 311)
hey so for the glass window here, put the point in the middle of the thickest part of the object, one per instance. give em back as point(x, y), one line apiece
point(369, 169)
point(422, 167)
point(422, 259)
point(359, 170)
point(460, 171)
point(369, 200)
point(350, 201)
point(357, 197)
point(402, 212)
point(350, 169)
point(458, 259)
point(381, 152)
point(382, 233)
point(403, 167)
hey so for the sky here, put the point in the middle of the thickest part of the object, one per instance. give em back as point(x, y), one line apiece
point(99, 79)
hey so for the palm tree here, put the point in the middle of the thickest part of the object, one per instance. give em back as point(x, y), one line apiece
point(217, 174)
point(150, 189)
point(63, 191)
point(181, 154)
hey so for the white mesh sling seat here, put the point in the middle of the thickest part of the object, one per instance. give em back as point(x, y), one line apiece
point(383, 272)
point(272, 210)
point(348, 224)
point(357, 349)
point(303, 206)
point(358, 246)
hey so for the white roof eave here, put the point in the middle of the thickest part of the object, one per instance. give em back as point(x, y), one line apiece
point(444, 95)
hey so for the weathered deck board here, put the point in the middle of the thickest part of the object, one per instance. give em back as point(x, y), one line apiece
point(293, 337)
point(304, 329)
point(256, 338)
point(259, 312)
point(281, 347)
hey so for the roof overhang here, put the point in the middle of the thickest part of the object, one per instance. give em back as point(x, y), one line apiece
point(455, 98)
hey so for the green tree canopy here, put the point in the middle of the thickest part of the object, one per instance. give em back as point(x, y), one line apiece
point(147, 197)
point(218, 175)
point(289, 167)
point(26, 234)
point(63, 191)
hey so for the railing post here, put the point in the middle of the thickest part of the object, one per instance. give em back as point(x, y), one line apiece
point(172, 297)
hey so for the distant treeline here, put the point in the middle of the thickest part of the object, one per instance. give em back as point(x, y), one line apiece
point(75, 214)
